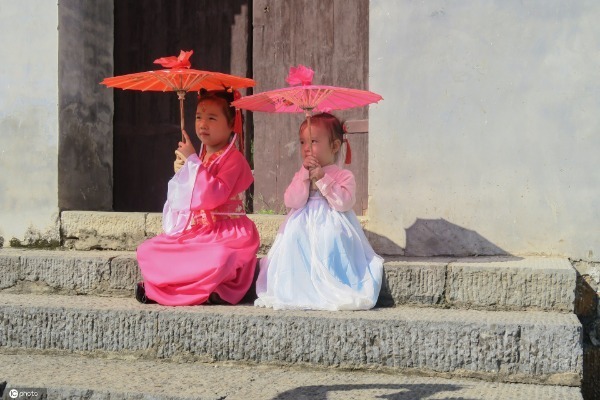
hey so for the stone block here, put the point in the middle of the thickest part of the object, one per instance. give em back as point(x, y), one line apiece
point(512, 283)
point(10, 268)
point(153, 224)
point(124, 273)
point(85, 230)
point(268, 226)
point(71, 324)
point(413, 281)
point(77, 272)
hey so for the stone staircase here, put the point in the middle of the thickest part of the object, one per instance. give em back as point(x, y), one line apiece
point(470, 328)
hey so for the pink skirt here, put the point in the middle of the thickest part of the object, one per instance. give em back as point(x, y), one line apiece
point(186, 269)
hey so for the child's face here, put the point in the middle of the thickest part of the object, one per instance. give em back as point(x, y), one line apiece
point(212, 127)
point(322, 148)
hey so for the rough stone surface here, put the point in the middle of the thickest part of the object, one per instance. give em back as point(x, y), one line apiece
point(530, 347)
point(10, 267)
point(536, 282)
point(124, 272)
point(74, 378)
point(66, 272)
point(413, 281)
point(481, 283)
point(268, 226)
point(85, 230)
point(153, 224)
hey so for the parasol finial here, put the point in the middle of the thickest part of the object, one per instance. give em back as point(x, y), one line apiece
point(300, 75)
point(182, 61)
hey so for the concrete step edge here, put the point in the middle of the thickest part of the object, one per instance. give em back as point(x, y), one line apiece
point(529, 347)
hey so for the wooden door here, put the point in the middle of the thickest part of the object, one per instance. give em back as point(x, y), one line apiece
point(331, 37)
point(146, 125)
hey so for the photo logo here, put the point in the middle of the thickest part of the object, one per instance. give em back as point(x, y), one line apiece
point(27, 393)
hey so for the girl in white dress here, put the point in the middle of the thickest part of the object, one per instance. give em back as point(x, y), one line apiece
point(321, 259)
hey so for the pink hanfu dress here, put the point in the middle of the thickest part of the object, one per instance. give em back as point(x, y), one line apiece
point(209, 244)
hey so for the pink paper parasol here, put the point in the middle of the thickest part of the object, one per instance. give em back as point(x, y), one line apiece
point(302, 96)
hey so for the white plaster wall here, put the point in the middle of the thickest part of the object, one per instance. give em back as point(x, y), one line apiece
point(490, 122)
point(28, 118)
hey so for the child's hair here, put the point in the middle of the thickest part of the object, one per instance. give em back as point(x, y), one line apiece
point(221, 97)
point(233, 116)
point(331, 124)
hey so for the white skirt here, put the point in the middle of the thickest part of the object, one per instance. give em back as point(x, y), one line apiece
point(320, 260)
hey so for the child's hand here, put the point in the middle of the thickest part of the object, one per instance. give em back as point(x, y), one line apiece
point(179, 161)
point(316, 173)
point(186, 148)
point(310, 162)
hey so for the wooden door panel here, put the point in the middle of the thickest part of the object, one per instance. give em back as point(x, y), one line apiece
point(331, 37)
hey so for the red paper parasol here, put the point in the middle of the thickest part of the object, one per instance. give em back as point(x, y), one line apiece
point(179, 78)
point(302, 96)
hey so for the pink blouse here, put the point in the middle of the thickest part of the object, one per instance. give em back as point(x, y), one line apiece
point(337, 186)
point(203, 192)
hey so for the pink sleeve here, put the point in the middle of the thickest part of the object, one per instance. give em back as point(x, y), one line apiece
point(296, 193)
point(213, 189)
point(339, 191)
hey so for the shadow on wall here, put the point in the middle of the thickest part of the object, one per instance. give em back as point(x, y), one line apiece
point(438, 237)
point(395, 391)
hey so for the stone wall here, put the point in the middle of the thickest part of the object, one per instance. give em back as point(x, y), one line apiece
point(486, 140)
point(55, 118)
point(28, 121)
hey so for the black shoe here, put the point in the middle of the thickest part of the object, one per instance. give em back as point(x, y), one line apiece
point(215, 299)
point(140, 294)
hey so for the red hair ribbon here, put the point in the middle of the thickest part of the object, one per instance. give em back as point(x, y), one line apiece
point(348, 159)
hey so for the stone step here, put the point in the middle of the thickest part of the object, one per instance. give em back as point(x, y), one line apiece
point(519, 347)
point(95, 230)
point(74, 378)
point(491, 283)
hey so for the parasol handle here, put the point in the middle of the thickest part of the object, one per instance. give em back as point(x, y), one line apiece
point(307, 111)
point(181, 96)
point(309, 131)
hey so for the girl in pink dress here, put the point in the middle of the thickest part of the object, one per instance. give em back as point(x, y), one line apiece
point(320, 259)
point(207, 252)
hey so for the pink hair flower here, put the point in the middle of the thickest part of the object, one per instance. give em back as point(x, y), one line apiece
point(182, 61)
point(300, 75)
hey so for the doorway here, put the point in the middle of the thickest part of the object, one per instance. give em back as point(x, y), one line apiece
point(146, 124)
